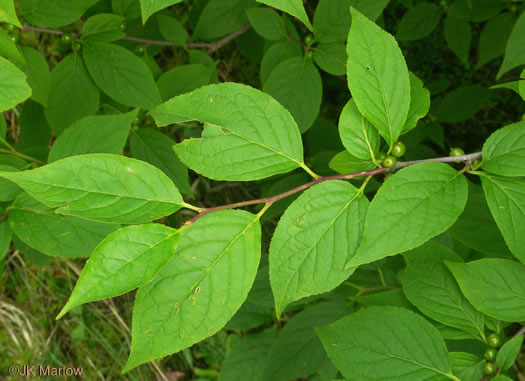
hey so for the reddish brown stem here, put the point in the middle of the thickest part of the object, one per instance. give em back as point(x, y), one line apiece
point(268, 200)
point(211, 46)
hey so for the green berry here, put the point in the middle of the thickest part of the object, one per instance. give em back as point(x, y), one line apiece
point(398, 149)
point(309, 54)
point(456, 152)
point(77, 46)
point(15, 38)
point(381, 156)
point(489, 369)
point(136, 121)
point(10, 28)
point(123, 26)
point(389, 162)
point(494, 341)
point(309, 39)
point(67, 38)
point(491, 354)
point(139, 50)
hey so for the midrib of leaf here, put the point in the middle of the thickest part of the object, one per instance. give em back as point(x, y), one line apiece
point(300, 163)
point(126, 264)
point(363, 126)
point(372, 349)
point(391, 226)
point(516, 203)
point(97, 192)
point(509, 151)
point(321, 237)
point(379, 82)
point(208, 269)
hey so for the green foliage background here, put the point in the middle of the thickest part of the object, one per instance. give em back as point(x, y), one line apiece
point(401, 277)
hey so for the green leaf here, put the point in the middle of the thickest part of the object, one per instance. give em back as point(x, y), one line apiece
point(42, 229)
point(407, 346)
point(250, 316)
point(38, 76)
point(121, 75)
point(267, 23)
point(8, 190)
point(501, 378)
point(476, 10)
point(9, 49)
point(149, 7)
point(504, 151)
point(476, 227)
point(5, 239)
point(297, 85)
point(156, 148)
point(13, 86)
point(458, 35)
point(297, 352)
point(8, 12)
point(93, 134)
point(126, 259)
point(232, 133)
point(378, 77)
point(73, 90)
point(292, 7)
point(332, 21)
point(34, 129)
point(414, 205)
point(429, 285)
point(277, 53)
point(331, 57)
point(514, 53)
point(494, 37)
point(507, 205)
point(508, 352)
point(314, 239)
point(419, 103)
point(494, 286)
point(54, 13)
point(183, 79)
point(130, 9)
point(102, 187)
point(103, 27)
point(418, 22)
point(461, 103)
point(466, 366)
point(359, 137)
point(248, 357)
point(221, 17)
point(195, 294)
point(344, 163)
point(172, 30)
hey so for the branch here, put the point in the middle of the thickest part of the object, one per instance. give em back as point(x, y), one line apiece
point(269, 200)
point(211, 46)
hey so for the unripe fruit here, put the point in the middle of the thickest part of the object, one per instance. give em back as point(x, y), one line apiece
point(309, 54)
point(123, 26)
point(10, 28)
point(77, 46)
point(139, 50)
point(15, 38)
point(456, 152)
point(494, 341)
point(398, 149)
point(66, 38)
point(381, 156)
point(389, 162)
point(489, 369)
point(491, 354)
point(309, 39)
